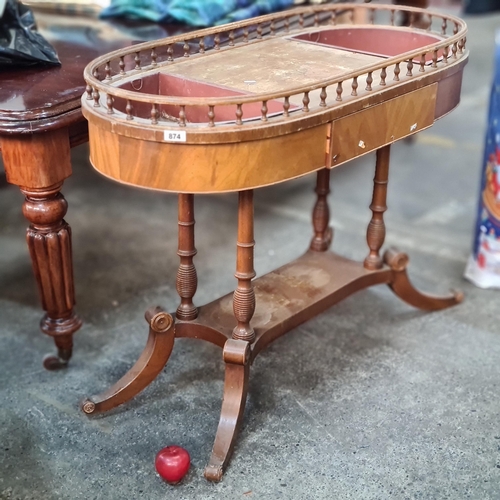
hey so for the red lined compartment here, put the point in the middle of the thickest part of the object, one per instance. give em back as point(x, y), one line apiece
point(164, 84)
point(371, 41)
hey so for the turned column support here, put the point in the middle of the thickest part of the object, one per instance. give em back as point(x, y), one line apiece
point(244, 295)
point(375, 234)
point(187, 279)
point(323, 233)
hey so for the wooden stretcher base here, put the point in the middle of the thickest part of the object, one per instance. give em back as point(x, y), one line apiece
point(285, 298)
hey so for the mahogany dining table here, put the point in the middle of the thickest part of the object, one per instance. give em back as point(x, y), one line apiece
point(40, 121)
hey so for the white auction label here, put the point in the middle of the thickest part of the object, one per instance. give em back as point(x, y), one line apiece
point(174, 135)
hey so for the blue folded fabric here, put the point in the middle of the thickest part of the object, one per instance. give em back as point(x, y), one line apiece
point(200, 13)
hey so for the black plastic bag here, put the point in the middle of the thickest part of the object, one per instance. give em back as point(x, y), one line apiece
point(20, 44)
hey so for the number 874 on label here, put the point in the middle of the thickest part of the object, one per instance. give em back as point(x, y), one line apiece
point(174, 135)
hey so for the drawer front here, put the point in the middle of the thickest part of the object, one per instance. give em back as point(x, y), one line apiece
point(383, 124)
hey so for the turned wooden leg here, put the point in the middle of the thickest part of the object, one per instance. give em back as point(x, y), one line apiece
point(244, 295)
point(375, 234)
point(237, 358)
point(187, 279)
point(402, 287)
point(323, 233)
point(49, 243)
point(38, 164)
point(151, 362)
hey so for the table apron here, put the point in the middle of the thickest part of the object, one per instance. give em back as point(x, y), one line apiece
point(201, 168)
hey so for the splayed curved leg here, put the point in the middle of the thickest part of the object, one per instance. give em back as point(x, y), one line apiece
point(237, 358)
point(152, 360)
point(402, 287)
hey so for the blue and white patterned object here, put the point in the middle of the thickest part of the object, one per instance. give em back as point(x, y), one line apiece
point(200, 13)
point(483, 267)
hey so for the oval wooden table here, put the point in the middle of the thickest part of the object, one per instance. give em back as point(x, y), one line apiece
point(252, 104)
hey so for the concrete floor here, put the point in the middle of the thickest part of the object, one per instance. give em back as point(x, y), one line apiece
point(370, 400)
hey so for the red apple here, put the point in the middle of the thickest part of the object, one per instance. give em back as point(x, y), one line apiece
point(172, 463)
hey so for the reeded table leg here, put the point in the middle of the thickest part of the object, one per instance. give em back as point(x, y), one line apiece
point(38, 164)
point(49, 243)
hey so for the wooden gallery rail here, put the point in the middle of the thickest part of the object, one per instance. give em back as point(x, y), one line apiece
point(255, 103)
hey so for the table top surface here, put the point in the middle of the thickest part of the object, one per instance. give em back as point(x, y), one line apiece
point(281, 65)
point(47, 93)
